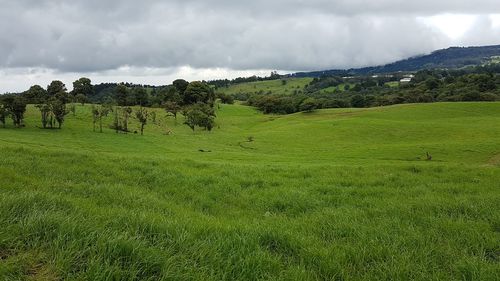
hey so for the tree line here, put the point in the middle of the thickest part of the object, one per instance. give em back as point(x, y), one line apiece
point(470, 84)
point(194, 100)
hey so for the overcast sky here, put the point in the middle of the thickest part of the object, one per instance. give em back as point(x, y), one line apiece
point(154, 42)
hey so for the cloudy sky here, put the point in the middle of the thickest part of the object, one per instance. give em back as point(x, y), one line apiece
point(154, 41)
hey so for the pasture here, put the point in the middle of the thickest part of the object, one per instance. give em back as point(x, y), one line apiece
point(337, 194)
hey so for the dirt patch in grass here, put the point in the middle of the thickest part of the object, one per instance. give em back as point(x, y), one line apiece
point(40, 271)
point(495, 160)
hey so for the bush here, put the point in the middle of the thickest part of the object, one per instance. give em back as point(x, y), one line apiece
point(308, 105)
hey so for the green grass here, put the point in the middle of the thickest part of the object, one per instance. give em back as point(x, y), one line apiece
point(392, 84)
point(332, 89)
point(341, 194)
point(275, 86)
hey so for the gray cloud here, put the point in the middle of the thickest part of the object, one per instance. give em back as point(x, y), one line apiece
point(95, 36)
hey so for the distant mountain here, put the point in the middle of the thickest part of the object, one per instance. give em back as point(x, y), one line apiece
point(454, 57)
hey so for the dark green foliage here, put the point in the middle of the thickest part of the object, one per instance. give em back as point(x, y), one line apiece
point(4, 113)
point(57, 90)
point(121, 94)
point(52, 103)
point(275, 104)
point(180, 85)
point(358, 101)
point(141, 97)
point(226, 82)
point(59, 110)
point(308, 105)
point(198, 92)
point(35, 95)
point(46, 114)
point(80, 98)
point(469, 84)
point(225, 98)
point(200, 115)
point(15, 106)
point(83, 86)
point(454, 57)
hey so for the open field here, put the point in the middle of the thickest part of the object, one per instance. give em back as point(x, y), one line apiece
point(274, 86)
point(341, 194)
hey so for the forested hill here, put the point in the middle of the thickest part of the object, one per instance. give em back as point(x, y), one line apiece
point(454, 57)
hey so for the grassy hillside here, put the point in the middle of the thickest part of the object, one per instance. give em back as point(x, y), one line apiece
point(453, 57)
point(332, 195)
point(274, 86)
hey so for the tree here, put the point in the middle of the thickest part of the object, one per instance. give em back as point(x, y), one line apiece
point(198, 92)
point(308, 105)
point(46, 112)
point(358, 101)
point(98, 112)
point(181, 86)
point(59, 111)
point(121, 92)
point(432, 83)
point(225, 98)
point(83, 86)
point(142, 117)
point(35, 95)
point(126, 115)
point(153, 117)
point(16, 106)
point(3, 114)
point(81, 98)
point(58, 90)
point(172, 107)
point(141, 96)
point(198, 116)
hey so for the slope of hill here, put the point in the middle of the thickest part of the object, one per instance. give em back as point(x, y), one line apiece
point(454, 57)
point(342, 194)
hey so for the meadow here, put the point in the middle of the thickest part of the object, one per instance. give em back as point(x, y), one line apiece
point(274, 86)
point(337, 194)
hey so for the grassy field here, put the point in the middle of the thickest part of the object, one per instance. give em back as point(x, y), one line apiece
point(341, 194)
point(274, 86)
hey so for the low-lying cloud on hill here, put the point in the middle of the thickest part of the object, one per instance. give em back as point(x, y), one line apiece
point(156, 41)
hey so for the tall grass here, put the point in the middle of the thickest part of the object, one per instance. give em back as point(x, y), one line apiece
point(333, 195)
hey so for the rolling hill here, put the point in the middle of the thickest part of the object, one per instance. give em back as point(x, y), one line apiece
point(454, 57)
point(338, 194)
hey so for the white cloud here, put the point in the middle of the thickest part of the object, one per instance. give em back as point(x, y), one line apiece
point(158, 39)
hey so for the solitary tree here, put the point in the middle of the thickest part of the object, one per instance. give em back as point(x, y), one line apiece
point(142, 117)
point(58, 90)
point(198, 92)
point(59, 111)
point(46, 112)
point(196, 116)
point(16, 106)
point(98, 113)
point(82, 86)
point(126, 115)
point(172, 107)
